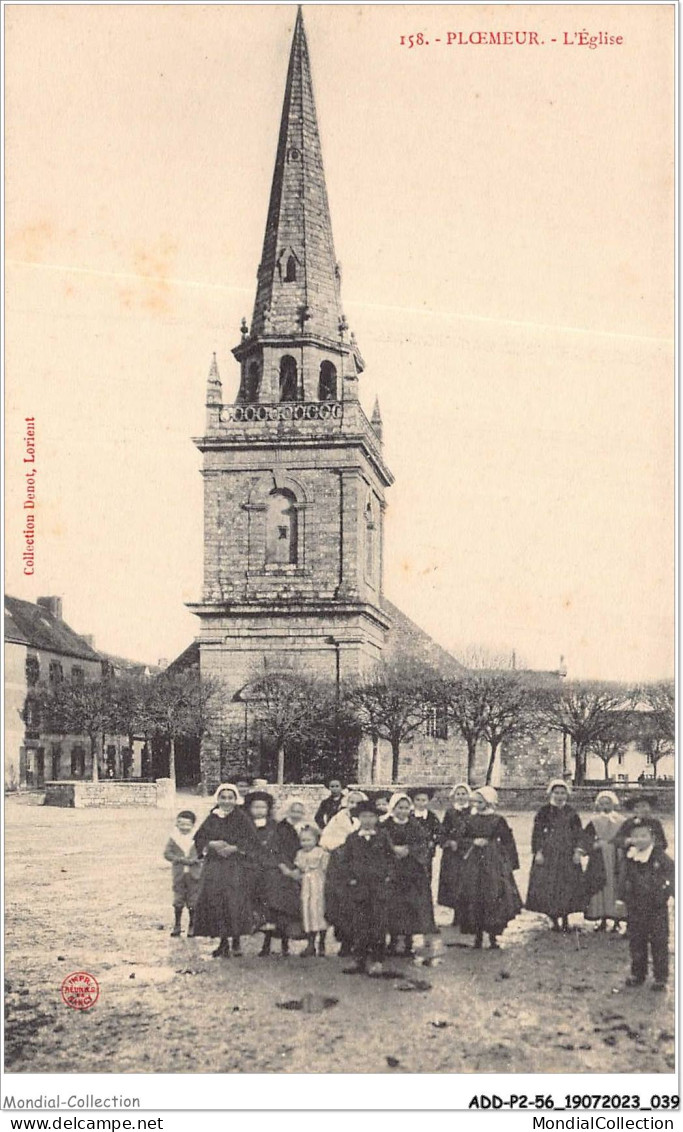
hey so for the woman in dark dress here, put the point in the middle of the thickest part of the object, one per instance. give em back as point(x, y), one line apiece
point(227, 842)
point(556, 885)
point(487, 897)
point(410, 909)
point(259, 806)
point(453, 844)
point(282, 889)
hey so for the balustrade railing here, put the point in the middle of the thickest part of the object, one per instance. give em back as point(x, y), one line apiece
point(285, 411)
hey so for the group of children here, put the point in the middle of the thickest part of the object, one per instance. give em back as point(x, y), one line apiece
point(364, 868)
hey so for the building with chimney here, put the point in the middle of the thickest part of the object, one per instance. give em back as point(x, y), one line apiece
point(42, 651)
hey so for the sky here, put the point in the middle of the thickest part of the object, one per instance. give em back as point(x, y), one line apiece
point(503, 216)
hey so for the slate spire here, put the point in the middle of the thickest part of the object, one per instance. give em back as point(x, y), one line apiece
point(298, 278)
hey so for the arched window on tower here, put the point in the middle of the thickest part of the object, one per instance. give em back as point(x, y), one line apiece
point(290, 270)
point(327, 385)
point(288, 379)
point(251, 384)
point(281, 529)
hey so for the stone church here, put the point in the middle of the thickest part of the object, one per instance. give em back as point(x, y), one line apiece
point(295, 480)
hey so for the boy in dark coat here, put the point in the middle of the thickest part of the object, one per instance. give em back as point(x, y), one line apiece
point(187, 869)
point(366, 865)
point(645, 886)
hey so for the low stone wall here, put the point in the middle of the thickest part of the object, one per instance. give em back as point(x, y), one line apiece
point(583, 797)
point(79, 795)
point(529, 798)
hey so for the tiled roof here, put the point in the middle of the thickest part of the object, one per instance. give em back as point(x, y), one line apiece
point(131, 667)
point(189, 658)
point(405, 637)
point(29, 624)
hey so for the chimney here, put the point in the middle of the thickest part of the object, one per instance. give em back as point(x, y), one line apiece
point(88, 638)
point(162, 662)
point(52, 605)
point(562, 671)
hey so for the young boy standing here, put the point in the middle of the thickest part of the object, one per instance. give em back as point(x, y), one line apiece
point(645, 886)
point(186, 872)
point(366, 864)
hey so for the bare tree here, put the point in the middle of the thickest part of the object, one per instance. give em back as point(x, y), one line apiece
point(393, 703)
point(286, 711)
point(81, 709)
point(509, 708)
point(656, 726)
point(611, 739)
point(175, 705)
point(581, 710)
point(476, 657)
point(466, 700)
point(129, 699)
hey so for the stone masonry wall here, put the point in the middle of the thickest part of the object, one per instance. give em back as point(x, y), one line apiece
point(87, 795)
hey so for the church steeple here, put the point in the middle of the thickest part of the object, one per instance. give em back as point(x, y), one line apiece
point(297, 312)
point(294, 473)
point(298, 277)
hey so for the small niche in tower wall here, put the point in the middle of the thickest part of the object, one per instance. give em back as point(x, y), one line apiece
point(281, 529)
point(290, 272)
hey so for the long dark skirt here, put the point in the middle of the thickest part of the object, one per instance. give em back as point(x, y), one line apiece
point(487, 897)
point(556, 887)
point(283, 901)
point(224, 904)
point(449, 877)
point(410, 909)
point(340, 909)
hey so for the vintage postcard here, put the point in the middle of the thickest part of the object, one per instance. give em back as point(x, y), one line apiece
point(339, 593)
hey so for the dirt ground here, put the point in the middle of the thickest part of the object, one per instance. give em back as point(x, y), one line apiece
point(88, 890)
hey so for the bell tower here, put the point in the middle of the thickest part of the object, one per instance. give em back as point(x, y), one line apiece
point(294, 475)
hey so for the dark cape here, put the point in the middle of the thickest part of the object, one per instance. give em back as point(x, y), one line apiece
point(487, 897)
point(452, 829)
point(557, 886)
point(410, 897)
point(224, 905)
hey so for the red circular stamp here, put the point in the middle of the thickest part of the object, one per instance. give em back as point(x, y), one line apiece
point(80, 990)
